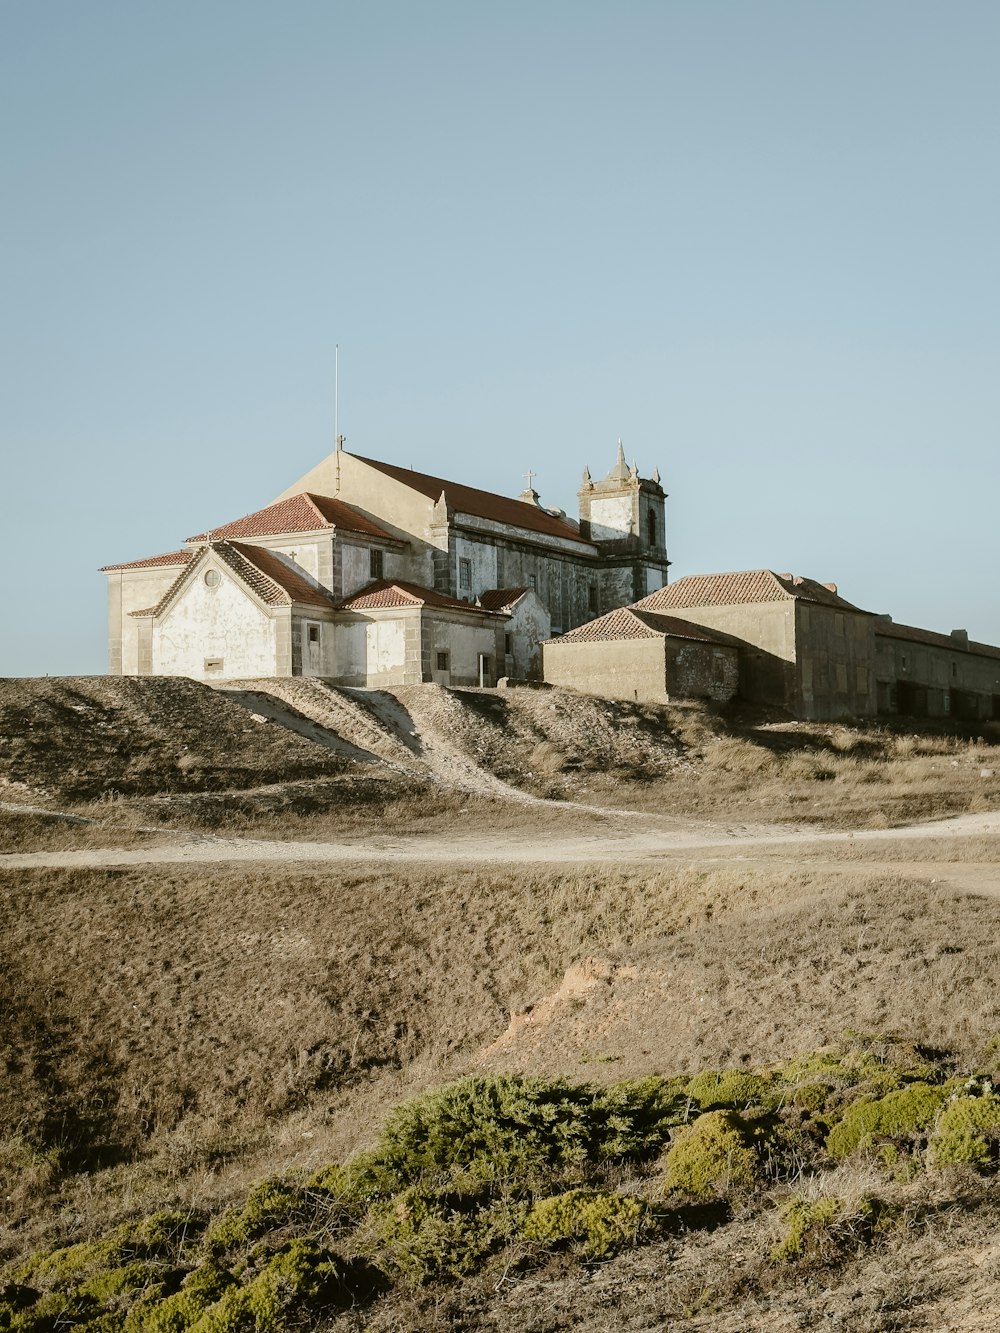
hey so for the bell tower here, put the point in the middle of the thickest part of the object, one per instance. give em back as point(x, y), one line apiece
point(624, 516)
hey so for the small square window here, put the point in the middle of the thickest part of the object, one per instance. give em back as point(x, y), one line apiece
point(442, 661)
point(465, 575)
point(314, 634)
point(375, 564)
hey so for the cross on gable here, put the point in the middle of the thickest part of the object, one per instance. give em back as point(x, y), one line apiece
point(529, 477)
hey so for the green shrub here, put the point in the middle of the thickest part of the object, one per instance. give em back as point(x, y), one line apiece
point(714, 1156)
point(293, 1281)
point(968, 1132)
point(811, 1097)
point(732, 1087)
point(904, 1113)
point(603, 1222)
point(496, 1129)
point(822, 1228)
point(202, 1288)
point(427, 1236)
point(270, 1205)
point(882, 1063)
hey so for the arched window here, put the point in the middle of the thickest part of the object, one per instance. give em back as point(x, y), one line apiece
point(651, 525)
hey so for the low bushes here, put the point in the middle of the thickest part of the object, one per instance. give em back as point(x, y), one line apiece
point(503, 1170)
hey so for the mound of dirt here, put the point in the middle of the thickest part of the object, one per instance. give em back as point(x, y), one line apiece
point(82, 738)
point(545, 741)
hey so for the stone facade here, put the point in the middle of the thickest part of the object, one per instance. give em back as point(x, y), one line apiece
point(644, 658)
point(353, 523)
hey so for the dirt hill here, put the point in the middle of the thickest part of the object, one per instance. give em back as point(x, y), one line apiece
point(174, 1034)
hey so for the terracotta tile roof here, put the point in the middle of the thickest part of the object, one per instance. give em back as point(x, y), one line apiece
point(264, 572)
point(387, 594)
point(890, 629)
point(628, 622)
point(152, 562)
point(500, 599)
point(745, 586)
point(299, 513)
point(481, 504)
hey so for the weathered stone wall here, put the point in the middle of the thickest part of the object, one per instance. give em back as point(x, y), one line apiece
point(528, 628)
point(928, 680)
point(836, 663)
point(632, 669)
point(702, 670)
point(216, 634)
point(765, 634)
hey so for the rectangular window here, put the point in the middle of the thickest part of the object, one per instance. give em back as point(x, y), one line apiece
point(507, 645)
point(533, 582)
point(314, 634)
point(719, 669)
point(465, 575)
point(375, 564)
point(592, 598)
point(838, 624)
point(954, 670)
point(841, 678)
point(442, 660)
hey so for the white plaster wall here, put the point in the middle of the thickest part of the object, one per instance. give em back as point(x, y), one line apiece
point(611, 517)
point(464, 643)
point(214, 622)
point(483, 558)
point(355, 562)
point(385, 643)
point(305, 555)
point(140, 589)
point(352, 649)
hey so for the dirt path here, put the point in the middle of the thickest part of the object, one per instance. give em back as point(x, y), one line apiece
point(636, 839)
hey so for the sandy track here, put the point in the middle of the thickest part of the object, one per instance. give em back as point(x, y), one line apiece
point(637, 839)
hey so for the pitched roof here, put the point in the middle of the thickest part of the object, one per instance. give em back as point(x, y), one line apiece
point(388, 593)
point(299, 513)
point(744, 586)
point(500, 599)
point(264, 572)
point(152, 562)
point(481, 504)
point(628, 622)
point(890, 629)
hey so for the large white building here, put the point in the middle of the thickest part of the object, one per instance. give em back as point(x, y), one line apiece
point(367, 573)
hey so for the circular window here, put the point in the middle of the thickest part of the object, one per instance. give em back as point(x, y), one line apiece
point(211, 578)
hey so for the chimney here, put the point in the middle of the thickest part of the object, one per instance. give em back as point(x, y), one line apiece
point(830, 587)
point(961, 637)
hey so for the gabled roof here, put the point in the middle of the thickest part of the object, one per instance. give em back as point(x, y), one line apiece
point(890, 629)
point(396, 593)
point(152, 562)
point(744, 586)
point(628, 622)
point(265, 573)
point(501, 599)
point(299, 513)
point(480, 504)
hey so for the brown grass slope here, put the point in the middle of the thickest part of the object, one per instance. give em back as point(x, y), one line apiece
point(80, 738)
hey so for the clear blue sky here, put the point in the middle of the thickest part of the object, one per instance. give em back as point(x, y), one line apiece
point(756, 240)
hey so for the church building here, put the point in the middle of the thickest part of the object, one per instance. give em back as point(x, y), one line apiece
point(368, 573)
